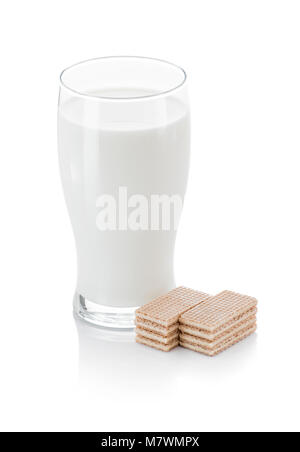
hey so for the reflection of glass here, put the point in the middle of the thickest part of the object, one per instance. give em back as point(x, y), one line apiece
point(123, 127)
point(100, 335)
point(111, 359)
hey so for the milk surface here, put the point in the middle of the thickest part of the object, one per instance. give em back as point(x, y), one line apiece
point(102, 148)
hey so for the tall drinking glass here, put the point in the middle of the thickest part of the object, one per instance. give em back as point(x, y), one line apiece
point(123, 139)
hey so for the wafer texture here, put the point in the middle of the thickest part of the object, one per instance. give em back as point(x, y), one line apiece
point(215, 312)
point(236, 331)
point(155, 327)
point(221, 347)
point(227, 327)
point(155, 344)
point(166, 310)
point(157, 337)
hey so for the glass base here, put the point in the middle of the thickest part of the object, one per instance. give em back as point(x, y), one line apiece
point(104, 316)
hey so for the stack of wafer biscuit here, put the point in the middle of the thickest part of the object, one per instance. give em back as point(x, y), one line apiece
point(157, 322)
point(218, 323)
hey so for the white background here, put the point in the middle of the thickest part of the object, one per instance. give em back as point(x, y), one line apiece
point(240, 228)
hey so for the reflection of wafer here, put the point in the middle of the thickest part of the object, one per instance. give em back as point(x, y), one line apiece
point(156, 344)
point(221, 347)
point(166, 309)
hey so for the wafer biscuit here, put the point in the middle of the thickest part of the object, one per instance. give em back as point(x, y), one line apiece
point(155, 327)
point(226, 328)
point(166, 309)
point(236, 331)
point(167, 339)
point(215, 312)
point(157, 345)
point(221, 347)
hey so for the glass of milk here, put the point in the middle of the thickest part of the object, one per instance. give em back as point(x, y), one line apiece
point(124, 145)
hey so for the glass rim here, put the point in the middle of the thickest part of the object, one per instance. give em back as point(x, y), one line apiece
point(129, 98)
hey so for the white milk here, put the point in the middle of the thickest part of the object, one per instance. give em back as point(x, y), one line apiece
point(98, 154)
